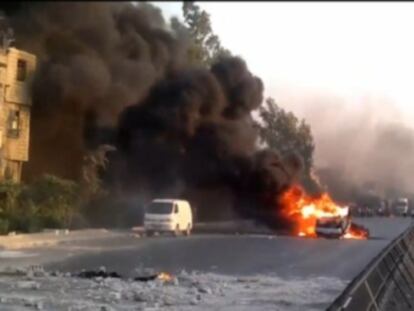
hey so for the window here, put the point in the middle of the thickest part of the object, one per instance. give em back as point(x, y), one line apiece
point(13, 124)
point(160, 208)
point(21, 70)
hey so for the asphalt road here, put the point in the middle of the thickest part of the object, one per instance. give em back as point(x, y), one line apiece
point(318, 268)
point(288, 257)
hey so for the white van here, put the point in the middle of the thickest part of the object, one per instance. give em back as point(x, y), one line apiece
point(168, 215)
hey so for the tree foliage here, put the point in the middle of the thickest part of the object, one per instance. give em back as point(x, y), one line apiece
point(206, 46)
point(283, 131)
point(54, 199)
point(48, 202)
point(94, 166)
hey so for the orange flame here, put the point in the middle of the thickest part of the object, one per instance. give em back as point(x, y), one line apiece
point(356, 233)
point(349, 235)
point(304, 210)
point(165, 277)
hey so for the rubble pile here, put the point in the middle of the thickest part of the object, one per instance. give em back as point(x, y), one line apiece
point(37, 289)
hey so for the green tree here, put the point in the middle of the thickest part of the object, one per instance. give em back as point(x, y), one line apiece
point(48, 202)
point(54, 201)
point(9, 193)
point(206, 47)
point(283, 131)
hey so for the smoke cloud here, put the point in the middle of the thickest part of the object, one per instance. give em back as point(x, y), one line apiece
point(94, 60)
point(116, 73)
point(362, 144)
point(195, 129)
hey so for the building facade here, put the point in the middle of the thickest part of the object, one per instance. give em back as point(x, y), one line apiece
point(16, 71)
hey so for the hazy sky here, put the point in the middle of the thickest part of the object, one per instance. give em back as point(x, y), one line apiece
point(352, 50)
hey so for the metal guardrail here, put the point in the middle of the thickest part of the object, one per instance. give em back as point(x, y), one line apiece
point(392, 269)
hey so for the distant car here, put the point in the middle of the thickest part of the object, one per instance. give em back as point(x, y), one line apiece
point(168, 215)
point(401, 207)
point(332, 227)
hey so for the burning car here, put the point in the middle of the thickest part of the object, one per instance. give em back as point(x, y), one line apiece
point(318, 216)
point(332, 227)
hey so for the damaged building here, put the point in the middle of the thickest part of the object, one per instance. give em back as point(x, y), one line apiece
point(16, 68)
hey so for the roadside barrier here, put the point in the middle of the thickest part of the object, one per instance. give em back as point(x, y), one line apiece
point(391, 271)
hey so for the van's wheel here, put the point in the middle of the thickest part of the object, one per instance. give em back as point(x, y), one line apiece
point(149, 233)
point(187, 231)
point(177, 230)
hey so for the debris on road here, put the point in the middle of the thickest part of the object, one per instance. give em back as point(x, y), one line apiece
point(190, 291)
point(27, 285)
point(102, 273)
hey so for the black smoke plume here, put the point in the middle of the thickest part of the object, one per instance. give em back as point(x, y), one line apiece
point(94, 60)
point(116, 73)
point(193, 134)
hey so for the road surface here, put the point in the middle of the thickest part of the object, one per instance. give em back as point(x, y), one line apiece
point(329, 263)
point(241, 254)
point(221, 253)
